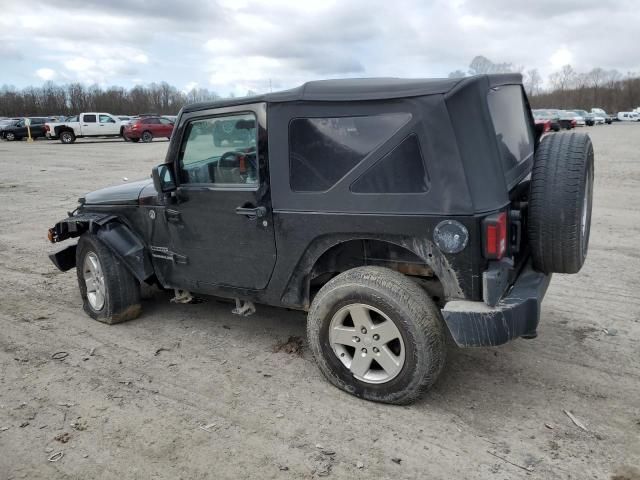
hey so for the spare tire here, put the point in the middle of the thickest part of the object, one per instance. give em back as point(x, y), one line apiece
point(560, 200)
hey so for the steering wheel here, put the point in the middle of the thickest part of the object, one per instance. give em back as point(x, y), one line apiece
point(226, 162)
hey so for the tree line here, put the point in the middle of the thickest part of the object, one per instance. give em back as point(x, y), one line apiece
point(71, 99)
point(568, 88)
point(564, 89)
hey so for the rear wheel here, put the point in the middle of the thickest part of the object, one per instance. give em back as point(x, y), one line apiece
point(110, 293)
point(560, 203)
point(377, 335)
point(147, 136)
point(67, 137)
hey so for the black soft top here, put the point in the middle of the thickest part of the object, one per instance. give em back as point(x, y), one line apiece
point(360, 89)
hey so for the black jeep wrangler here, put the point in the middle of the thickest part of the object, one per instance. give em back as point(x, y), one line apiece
point(396, 212)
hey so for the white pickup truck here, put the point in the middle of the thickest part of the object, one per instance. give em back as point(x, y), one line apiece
point(90, 124)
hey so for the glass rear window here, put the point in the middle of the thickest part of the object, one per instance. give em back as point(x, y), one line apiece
point(510, 120)
point(324, 150)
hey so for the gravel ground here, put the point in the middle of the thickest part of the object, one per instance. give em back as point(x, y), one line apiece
point(191, 391)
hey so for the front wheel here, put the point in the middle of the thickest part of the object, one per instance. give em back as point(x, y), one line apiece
point(377, 335)
point(67, 137)
point(9, 136)
point(110, 293)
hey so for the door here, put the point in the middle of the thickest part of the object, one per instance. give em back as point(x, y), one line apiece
point(221, 227)
point(166, 127)
point(89, 124)
point(107, 125)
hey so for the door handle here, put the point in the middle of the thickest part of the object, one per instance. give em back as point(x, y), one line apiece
point(252, 212)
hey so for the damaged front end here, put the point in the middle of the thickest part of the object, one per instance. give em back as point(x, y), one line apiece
point(115, 235)
point(73, 226)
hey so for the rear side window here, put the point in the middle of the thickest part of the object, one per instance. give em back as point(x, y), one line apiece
point(323, 150)
point(510, 120)
point(400, 171)
point(89, 119)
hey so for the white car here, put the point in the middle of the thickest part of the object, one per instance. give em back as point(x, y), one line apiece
point(580, 122)
point(598, 119)
point(628, 117)
point(90, 124)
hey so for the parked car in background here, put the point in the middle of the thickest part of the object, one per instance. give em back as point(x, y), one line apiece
point(549, 116)
point(628, 117)
point(147, 128)
point(608, 119)
point(567, 121)
point(19, 129)
point(91, 124)
point(125, 119)
point(170, 117)
point(588, 118)
point(579, 119)
point(7, 122)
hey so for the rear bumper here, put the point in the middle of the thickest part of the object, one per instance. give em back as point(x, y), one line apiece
point(475, 324)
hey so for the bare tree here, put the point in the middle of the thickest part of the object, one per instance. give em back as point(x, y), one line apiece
point(532, 82)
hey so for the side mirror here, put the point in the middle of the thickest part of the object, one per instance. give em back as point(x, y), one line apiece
point(163, 178)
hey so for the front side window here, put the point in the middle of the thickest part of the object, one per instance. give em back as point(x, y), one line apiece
point(106, 119)
point(89, 118)
point(220, 150)
point(324, 150)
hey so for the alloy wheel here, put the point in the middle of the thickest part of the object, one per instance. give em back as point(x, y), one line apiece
point(367, 342)
point(94, 281)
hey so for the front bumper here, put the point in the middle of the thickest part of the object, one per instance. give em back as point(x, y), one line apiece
point(475, 324)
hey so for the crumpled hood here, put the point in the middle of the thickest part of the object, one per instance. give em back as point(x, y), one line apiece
point(124, 194)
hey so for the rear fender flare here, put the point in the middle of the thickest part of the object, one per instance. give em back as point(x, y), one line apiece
point(297, 291)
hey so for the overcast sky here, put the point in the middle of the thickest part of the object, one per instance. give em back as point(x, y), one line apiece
point(239, 45)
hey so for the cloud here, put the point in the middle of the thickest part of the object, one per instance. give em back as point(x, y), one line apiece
point(236, 45)
point(46, 73)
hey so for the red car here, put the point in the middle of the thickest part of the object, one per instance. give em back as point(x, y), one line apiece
point(147, 128)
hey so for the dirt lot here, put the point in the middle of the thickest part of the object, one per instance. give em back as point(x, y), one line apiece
point(191, 391)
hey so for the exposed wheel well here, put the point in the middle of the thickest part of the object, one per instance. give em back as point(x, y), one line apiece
point(363, 252)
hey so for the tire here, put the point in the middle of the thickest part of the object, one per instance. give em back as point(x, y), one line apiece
point(560, 203)
point(384, 293)
point(146, 137)
point(67, 137)
point(10, 136)
point(119, 288)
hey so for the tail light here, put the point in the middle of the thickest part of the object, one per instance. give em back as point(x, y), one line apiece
point(46, 128)
point(242, 164)
point(494, 229)
point(547, 126)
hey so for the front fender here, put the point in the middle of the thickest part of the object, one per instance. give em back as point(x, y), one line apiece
point(116, 236)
